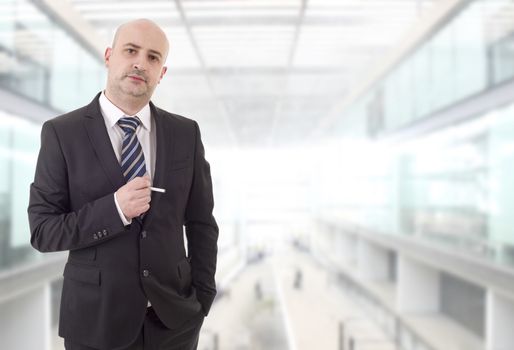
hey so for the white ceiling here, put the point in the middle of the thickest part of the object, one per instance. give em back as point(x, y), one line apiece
point(262, 73)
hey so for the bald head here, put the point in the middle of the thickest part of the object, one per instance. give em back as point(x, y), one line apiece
point(135, 64)
point(145, 25)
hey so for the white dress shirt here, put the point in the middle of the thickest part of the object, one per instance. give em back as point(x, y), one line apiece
point(145, 133)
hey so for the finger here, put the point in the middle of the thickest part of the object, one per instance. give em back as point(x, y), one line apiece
point(142, 202)
point(145, 208)
point(138, 194)
point(139, 183)
point(148, 179)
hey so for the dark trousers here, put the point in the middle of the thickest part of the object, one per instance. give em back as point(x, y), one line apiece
point(155, 336)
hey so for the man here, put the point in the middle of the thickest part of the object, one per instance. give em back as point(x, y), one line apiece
point(128, 283)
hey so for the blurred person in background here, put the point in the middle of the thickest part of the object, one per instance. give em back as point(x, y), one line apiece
point(128, 283)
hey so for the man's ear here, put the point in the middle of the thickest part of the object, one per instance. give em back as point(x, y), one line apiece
point(107, 55)
point(163, 71)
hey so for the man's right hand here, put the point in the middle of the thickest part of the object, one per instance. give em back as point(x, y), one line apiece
point(134, 197)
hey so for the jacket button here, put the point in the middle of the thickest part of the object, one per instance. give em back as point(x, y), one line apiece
point(95, 236)
point(143, 234)
point(104, 232)
point(146, 273)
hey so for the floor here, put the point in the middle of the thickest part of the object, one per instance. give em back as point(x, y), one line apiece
point(289, 302)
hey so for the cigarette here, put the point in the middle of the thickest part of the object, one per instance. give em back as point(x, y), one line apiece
point(157, 189)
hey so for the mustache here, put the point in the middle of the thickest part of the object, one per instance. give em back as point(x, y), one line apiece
point(136, 73)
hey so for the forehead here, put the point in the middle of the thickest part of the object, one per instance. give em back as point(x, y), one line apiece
point(144, 36)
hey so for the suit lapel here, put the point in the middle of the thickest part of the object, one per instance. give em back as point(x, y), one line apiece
point(95, 126)
point(165, 142)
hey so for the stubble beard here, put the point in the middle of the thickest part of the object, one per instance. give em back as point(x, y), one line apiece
point(126, 87)
point(125, 91)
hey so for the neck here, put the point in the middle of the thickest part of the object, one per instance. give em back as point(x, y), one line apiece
point(129, 106)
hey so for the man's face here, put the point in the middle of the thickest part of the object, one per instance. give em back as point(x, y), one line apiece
point(136, 61)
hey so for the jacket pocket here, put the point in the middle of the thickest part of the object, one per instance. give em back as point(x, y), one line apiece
point(80, 273)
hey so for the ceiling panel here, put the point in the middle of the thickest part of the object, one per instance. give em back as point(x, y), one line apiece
point(263, 72)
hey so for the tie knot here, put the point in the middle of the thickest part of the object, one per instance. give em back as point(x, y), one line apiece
point(129, 124)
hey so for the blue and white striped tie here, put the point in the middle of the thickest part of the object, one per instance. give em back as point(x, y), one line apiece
point(132, 156)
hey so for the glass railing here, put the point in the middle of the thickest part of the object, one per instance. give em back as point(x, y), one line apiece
point(453, 187)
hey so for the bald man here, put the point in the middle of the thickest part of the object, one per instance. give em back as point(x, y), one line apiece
point(116, 182)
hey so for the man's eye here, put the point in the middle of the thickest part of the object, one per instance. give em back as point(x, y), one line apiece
point(131, 50)
point(154, 58)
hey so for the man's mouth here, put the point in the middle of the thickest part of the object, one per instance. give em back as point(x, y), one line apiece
point(136, 77)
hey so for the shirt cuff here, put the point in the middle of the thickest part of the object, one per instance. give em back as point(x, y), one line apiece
point(122, 216)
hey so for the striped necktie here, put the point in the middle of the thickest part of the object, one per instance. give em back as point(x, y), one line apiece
point(132, 157)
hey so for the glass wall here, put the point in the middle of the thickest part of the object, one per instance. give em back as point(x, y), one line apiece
point(42, 61)
point(19, 144)
point(499, 35)
point(469, 54)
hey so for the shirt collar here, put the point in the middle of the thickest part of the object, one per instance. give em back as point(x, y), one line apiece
point(112, 113)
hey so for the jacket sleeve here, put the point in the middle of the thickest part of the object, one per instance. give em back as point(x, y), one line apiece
point(53, 225)
point(201, 228)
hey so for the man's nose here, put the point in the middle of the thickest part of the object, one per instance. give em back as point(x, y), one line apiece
point(138, 66)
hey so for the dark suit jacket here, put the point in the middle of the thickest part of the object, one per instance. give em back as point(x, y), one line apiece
point(112, 270)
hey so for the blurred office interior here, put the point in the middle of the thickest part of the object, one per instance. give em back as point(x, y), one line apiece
point(362, 154)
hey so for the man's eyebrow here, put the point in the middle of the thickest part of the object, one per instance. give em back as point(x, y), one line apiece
point(155, 52)
point(133, 45)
